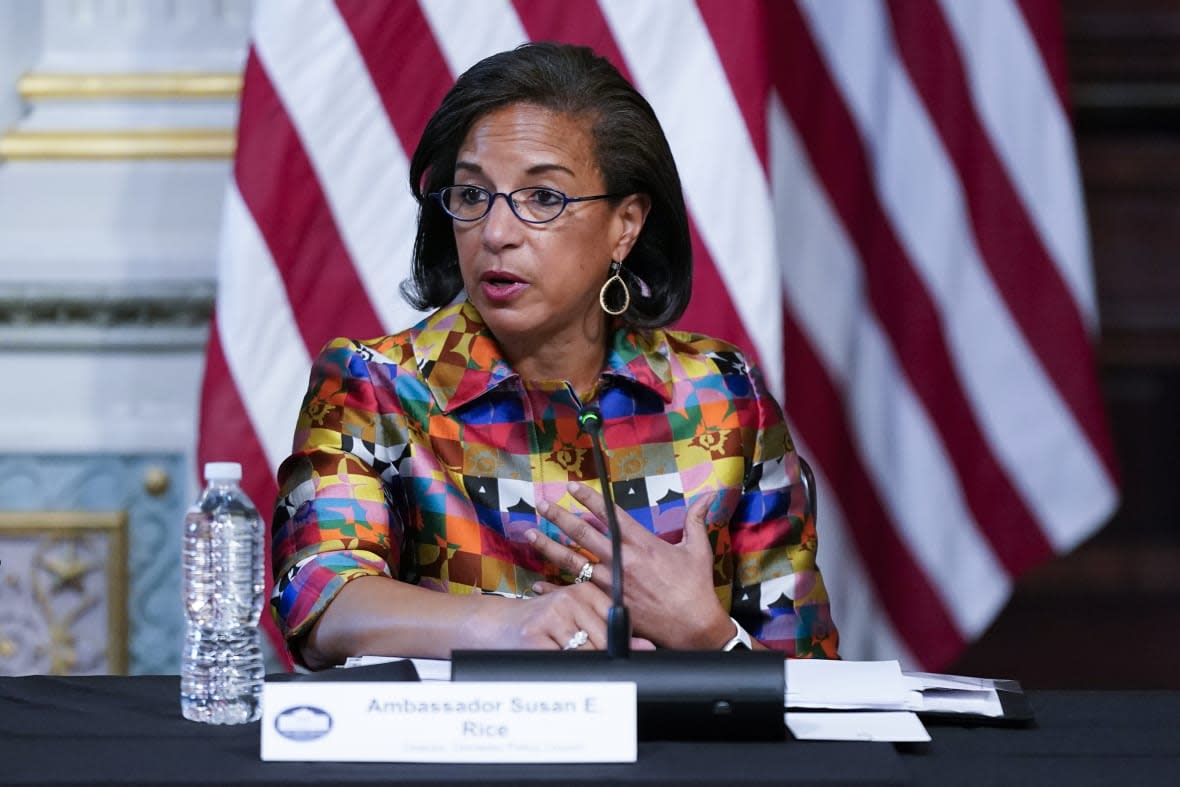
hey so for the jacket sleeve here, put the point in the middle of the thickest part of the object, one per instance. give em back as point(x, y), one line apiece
point(778, 593)
point(337, 515)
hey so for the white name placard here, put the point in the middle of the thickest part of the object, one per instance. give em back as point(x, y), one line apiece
point(449, 722)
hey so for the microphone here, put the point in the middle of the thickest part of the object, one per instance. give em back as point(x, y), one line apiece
point(618, 619)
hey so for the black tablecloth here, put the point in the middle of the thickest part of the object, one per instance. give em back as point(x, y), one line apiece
point(128, 730)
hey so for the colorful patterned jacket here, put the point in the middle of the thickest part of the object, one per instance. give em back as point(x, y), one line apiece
point(421, 456)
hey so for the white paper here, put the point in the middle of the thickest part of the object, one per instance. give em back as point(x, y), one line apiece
point(886, 726)
point(837, 684)
point(956, 694)
point(979, 703)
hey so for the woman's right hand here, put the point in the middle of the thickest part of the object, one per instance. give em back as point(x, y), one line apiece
point(549, 621)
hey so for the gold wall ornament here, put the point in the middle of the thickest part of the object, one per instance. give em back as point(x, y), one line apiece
point(63, 593)
point(180, 86)
point(195, 143)
point(156, 481)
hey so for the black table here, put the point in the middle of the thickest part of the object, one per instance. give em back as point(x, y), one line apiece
point(128, 730)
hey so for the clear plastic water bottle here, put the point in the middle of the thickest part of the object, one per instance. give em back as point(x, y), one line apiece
point(221, 668)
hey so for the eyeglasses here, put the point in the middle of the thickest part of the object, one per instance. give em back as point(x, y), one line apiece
point(532, 204)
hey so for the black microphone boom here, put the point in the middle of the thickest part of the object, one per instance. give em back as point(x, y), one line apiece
point(618, 619)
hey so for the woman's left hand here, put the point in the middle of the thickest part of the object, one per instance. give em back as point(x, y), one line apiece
point(668, 588)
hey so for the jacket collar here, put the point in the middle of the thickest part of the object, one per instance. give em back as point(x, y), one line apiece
point(460, 360)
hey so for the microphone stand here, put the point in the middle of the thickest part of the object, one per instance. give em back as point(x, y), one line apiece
point(618, 619)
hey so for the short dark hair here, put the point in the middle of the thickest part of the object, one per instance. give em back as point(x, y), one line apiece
point(629, 146)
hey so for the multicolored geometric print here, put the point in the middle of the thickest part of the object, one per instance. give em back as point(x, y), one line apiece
point(422, 456)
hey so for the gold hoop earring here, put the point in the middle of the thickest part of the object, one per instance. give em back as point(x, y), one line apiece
point(615, 267)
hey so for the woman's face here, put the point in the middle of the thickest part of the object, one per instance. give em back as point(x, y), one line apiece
point(538, 284)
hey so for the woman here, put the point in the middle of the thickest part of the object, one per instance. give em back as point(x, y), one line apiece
point(441, 495)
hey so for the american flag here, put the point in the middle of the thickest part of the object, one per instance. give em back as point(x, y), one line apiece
point(885, 210)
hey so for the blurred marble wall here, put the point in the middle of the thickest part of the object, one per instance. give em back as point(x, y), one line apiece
point(116, 134)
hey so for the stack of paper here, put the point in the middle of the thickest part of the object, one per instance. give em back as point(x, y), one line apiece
point(847, 685)
point(882, 685)
point(959, 694)
point(877, 687)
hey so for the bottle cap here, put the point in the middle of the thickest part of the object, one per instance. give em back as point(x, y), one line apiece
point(223, 471)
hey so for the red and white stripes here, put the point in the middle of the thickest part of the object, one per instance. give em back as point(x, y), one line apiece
point(885, 211)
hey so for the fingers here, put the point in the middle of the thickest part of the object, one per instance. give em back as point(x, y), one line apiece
point(595, 627)
point(571, 609)
point(560, 555)
point(596, 504)
point(590, 595)
point(696, 529)
point(694, 538)
point(595, 638)
point(579, 530)
point(587, 532)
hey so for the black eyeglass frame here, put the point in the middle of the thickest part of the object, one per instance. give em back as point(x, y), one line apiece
point(439, 196)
